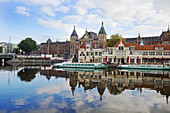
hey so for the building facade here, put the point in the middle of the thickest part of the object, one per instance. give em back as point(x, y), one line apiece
point(7, 47)
point(124, 53)
point(164, 39)
point(59, 49)
point(90, 39)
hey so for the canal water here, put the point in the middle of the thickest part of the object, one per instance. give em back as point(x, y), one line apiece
point(39, 89)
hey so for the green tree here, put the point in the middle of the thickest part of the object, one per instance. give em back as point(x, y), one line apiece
point(27, 74)
point(28, 45)
point(114, 39)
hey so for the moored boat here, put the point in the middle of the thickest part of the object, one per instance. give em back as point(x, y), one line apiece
point(80, 65)
point(161, 67)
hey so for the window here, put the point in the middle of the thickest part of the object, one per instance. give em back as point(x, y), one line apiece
point(120, 48)
point(110, 52)
point(101, 45)
point(90, 44)
point(131, 53)
point(110, 59)
point(100, 53)
point(132, 60)
point(95, 45)
point(145, 53)
point(96, 60)
point(158, 48)
point(151, 53)
point(104, 59)
point(158, 53)
point(96, 53)
point(92, 53)
point(87, 53)
point(167, 53)
point(131, 48)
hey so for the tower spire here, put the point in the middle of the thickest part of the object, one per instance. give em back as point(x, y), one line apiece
point(74, 33)
point(102, 30)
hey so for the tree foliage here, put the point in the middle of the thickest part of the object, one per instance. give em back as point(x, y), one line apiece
point(27, 74)
point(114, 39)
point(28, 45)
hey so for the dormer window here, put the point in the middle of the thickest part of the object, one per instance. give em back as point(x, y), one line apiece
point(120, 47)
point(158, 48)
point(131, 48)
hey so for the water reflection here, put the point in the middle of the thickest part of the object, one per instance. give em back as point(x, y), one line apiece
point(79, 90)
point(27, 74)
point(116, 81)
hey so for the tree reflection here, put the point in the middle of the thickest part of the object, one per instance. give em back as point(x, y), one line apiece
point(27, 74)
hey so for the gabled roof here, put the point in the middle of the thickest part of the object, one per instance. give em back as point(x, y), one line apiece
point(125, 44)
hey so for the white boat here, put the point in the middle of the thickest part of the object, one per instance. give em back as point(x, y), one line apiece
point(162, 67)
point(79, 65)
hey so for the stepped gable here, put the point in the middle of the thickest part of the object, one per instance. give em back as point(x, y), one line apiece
point(74, 33)
point(125, 44)
point(102, 30)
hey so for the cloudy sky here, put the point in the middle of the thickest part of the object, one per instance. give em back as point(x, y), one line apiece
point(54, 19)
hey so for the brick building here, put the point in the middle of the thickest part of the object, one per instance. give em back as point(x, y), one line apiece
point(59, 49)
point(95, 41)
point(164, 39)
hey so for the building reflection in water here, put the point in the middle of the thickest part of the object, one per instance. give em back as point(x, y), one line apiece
point(116, 81)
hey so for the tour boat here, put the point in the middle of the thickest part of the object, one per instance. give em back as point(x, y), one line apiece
point(162, 67)
point(80, 65)
point(79, 69)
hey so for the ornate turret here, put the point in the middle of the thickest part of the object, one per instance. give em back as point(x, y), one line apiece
point(73, 39)
point(102, 36)
point(49, 41)
point(102, 30)
point(168, 29)
point(138, 41)
point(74, 33)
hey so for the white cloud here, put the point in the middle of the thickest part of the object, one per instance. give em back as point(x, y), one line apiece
point(53, 3)
point(127, 17)
point(62, 9)
point(22, 10)
point(47, 10)
point(82, 6)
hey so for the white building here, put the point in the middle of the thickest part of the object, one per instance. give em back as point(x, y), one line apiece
point(127, 53)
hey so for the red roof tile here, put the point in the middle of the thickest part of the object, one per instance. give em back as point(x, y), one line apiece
point(143, 47)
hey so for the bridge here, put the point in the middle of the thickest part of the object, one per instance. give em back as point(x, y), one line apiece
point(32, 58)
point(6, 57)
